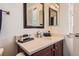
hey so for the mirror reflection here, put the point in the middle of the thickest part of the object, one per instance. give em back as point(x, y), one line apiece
point(52, 17)
point(34, 15)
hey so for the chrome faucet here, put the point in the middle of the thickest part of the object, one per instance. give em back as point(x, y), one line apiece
point(38, 34)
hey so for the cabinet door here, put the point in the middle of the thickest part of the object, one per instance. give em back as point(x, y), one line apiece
point(59, 48)
point(53, 50)
point(44, 52)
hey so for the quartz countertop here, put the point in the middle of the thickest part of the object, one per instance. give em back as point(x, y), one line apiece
point(40, 43)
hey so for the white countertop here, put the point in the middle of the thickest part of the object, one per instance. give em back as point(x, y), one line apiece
point(39, 43)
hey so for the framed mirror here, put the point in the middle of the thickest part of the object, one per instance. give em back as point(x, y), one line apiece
point(33, 15)
point(53, 21)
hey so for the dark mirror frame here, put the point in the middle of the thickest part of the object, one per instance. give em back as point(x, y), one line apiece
point(25, 17)
point(56, 17)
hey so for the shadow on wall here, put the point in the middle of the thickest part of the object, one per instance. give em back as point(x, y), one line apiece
point(68, 46)
point(9, 46)
point(66, 50)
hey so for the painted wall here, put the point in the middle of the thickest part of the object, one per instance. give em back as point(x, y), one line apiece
point(66, 24)
point(13, 25)
point(76, 29)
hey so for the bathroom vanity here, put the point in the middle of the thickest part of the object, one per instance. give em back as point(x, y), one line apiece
point(45, 46)
point(42, 46)
point(52, 50)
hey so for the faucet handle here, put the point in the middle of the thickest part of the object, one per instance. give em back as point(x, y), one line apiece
point(38, 34)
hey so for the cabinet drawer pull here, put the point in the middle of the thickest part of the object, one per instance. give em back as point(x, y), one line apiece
point(53, 49)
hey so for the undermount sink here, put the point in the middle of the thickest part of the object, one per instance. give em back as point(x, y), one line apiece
point(26, 40)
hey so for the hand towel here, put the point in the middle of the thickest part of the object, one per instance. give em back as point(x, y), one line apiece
point(0, 18)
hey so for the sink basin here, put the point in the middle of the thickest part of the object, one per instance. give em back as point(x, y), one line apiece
point(26, 40)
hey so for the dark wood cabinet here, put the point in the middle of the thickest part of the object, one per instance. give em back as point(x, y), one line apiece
point(58, 48)
point(53, 50)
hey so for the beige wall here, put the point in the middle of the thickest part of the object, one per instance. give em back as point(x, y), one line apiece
point(66, 25)
point(76, 29)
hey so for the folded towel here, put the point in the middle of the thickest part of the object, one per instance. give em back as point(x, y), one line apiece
point(0, 18)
